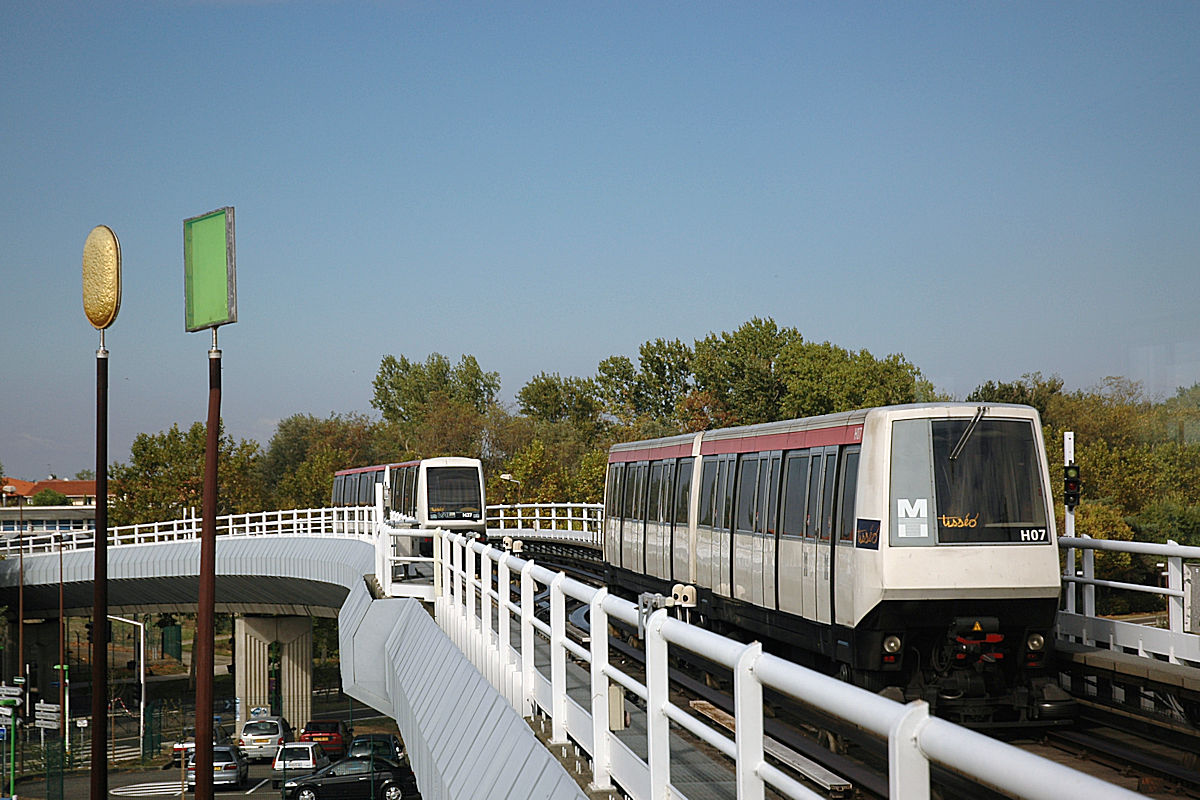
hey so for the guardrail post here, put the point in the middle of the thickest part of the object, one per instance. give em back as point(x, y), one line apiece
point(1070, 586)
point(748, 735)
point(1089, 590)
point(908, 769)
point(527, 690)
point(485, 598)
point(504, 631)
point(658, 743)
point(470, 575)
point(558, 661)
point(1175, 584)
point(598, 644)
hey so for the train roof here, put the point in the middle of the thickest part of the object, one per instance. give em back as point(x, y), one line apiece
point(841, 428)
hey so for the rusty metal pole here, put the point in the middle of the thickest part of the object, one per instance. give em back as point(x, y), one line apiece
point(100, 585)
point(205, 633)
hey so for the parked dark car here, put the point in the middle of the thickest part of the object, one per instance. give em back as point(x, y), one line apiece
point(382, 744)
point(355, 778)
point(332, 734)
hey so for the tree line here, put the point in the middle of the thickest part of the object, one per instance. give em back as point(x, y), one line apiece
point(1140, 456)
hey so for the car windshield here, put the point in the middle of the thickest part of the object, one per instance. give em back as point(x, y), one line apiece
point(260, 728)
point(322, 726)
point(293, 752)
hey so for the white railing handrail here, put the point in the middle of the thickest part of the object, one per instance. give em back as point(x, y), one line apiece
point(479, 618)
point(1078, 620)
point(353, 521)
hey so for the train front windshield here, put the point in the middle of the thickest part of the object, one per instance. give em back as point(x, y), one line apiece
point(991, 489)
point(454, 493)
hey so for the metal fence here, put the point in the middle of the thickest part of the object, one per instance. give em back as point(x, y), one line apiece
point(480, 618)
point(1078, 621)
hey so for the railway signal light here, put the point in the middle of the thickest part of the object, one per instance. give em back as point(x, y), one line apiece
point(1071, 485)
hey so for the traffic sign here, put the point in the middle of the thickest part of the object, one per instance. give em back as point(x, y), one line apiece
point(46, 723)
point(81, 722)
point(6, 712)
point(3, 734)
point(40, 706)
point(10, 691)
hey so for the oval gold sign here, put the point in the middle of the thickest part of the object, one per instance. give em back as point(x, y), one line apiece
point(101, 277)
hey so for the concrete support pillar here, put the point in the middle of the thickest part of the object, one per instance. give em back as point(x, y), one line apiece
point(253, 638)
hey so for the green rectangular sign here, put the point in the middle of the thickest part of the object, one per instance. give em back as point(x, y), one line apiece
point(209, 270)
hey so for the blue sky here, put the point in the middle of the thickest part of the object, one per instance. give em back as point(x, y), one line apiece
point(989, 189)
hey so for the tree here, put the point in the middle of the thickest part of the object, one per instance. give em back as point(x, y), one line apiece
point(1031, 390)
point(740, 371)
point(305, 451)
point(49, 497)
point(825, 379)
point(165, 476)
point(85, 475)
point(404, 389)
point(550, 398)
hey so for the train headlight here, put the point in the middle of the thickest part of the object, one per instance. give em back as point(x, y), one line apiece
point(891, 645)
point(1035, 642)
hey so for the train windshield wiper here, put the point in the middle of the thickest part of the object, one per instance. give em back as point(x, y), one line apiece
point(962, 441)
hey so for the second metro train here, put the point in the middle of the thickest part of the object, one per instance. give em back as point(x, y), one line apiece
point(908, 549)
point(430, 493)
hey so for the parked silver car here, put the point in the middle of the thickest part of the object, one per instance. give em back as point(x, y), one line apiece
point(230, 768)
point(262, 736)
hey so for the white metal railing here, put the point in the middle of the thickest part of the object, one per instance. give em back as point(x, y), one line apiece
point(1078, 621)
point(480, 619)
point(577, 523)
point(353, 521)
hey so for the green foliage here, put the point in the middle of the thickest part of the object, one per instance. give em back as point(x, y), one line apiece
point(550, 398)
point(740, 372)
point(405, 390)
point(49, 497)
point(85, 475)
point(165, 477)
point(1031, 390)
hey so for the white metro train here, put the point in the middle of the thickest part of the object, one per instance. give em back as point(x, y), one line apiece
point(431, 493)
point(909, 546)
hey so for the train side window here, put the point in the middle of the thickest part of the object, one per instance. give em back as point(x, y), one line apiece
point(668, 491)
point(846, 521)
point(812, 516)
point(338, 482)
point(630, 480)
point(768, 487)
point(727, 494)
point(828, 486)
point(683, 491)
point(615, 474)
point(654, 493)
point(747, 484)
point(708, 491)
point(794, 484)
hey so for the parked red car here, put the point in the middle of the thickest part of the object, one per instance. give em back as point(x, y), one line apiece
point(333, 735)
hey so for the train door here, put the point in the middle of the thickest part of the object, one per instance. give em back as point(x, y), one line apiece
point(633, 524)
point(706, 522)
point(744, 533)
point(767, 526)
point(843, 550)
point(612, 513)
point(724, 549)
point(657, 516)
point(824, 562)
point(681, 540)
point(812, 522)
point(789, 553)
